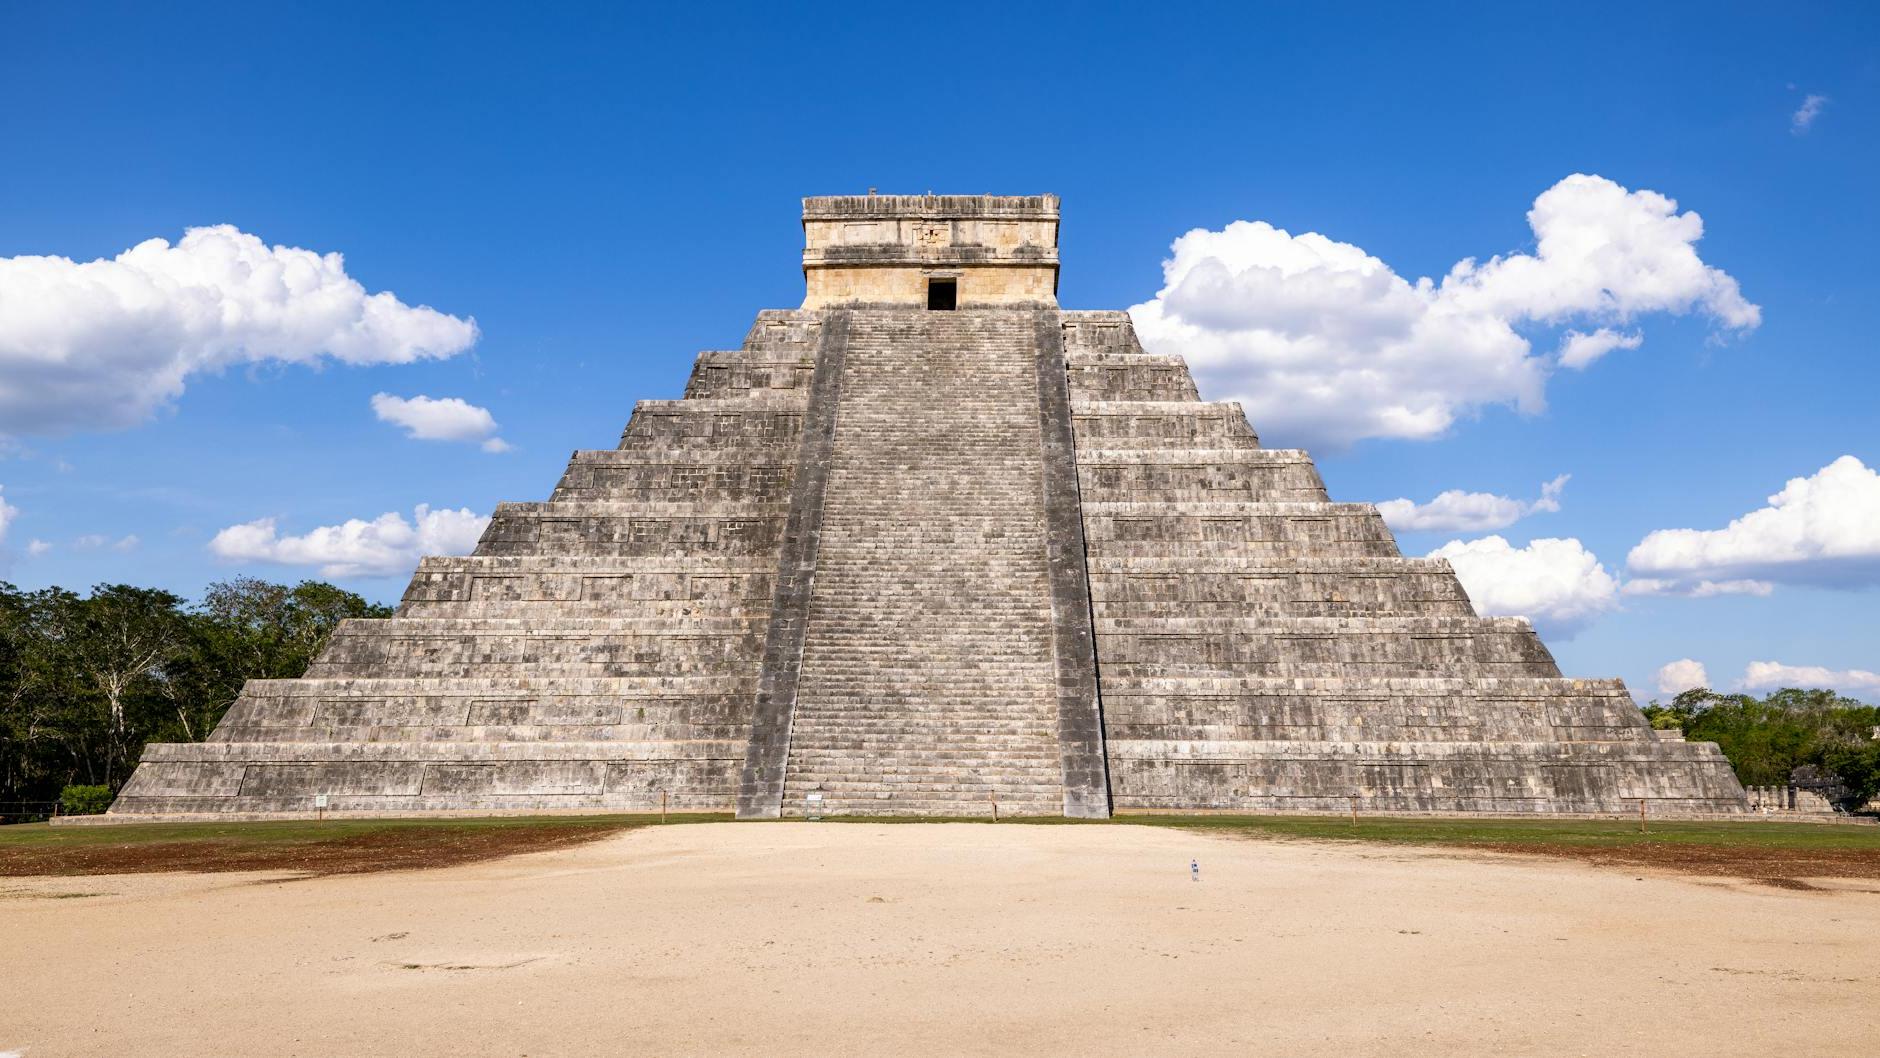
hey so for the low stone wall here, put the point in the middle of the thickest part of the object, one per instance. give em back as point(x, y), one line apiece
point(1788, 800)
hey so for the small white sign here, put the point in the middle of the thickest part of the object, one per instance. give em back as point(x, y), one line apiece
point(319, 800)
point(811, 797)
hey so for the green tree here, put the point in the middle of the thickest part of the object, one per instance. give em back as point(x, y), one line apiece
point(1857, 765)
point(44, 732)
point(85, 682)
point(124, 642)
point(1769, 739)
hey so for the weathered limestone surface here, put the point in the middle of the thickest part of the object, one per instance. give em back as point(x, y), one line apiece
point(888, 560)
point(1262, 648)
point(600, 650)
point(884, 249)
point(929, 678)
point(760, 786)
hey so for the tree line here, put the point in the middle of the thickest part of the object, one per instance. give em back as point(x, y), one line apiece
point(86, 681)
point(1816, 738)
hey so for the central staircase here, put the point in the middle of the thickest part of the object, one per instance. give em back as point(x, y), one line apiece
point(929, 682)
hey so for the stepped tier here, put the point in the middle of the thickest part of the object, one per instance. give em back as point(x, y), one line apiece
point(708, 476)
point(1248, 529)
point(417, 777)
point(1377, 709)
point(576, 527)
point(1107, 376)
point(1462, 776)
point(422, 646)
point(742, 374)
point(544, 588)
point(1161, 424)
point(1320, 646)
point(887, 560)
point(1146, 587)
point(758, 425)
point(490, 709)
point(1187, 475)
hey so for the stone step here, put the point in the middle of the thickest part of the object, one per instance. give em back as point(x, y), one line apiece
point(954, 715)
point(940, 727)
point(1010, 797)
point(561, 627)
point(927, 764)
point(931, 809)
point(871, 764)
point(733, 733)
point(945, 741)
point(892, 781)
point(900, 799)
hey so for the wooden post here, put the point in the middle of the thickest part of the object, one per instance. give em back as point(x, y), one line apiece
point(1354, 810)
point(1641, 815)
point(662, 806)
point(994, 798)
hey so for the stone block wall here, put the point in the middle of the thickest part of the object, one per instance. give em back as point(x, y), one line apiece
point(1262, 648)
point(599, 651)
point(883, 249)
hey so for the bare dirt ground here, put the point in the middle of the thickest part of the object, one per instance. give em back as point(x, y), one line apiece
point(318, 854)
point(1785, 868)
point(787, 939)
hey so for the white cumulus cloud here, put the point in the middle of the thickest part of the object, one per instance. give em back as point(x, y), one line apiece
point(1695, 589)
point(440, 419)
point(1325, 345)
point(1823, 530)
point(95, 541)
point(104, 344)
point(1558, 585)
point(1676, 677)
point(8, 512)
point(1774, 675)
point(1468, 512)
point(384, 546)
point(35, 547)
point(1577, 350)
point(1804, 117)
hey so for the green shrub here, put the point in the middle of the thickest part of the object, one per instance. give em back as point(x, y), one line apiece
point(85, 800)
point(1857, 764)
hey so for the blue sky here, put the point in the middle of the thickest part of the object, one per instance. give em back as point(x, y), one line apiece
point(608, 191)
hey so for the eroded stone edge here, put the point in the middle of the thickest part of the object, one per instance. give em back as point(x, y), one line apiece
point(1080, 708)
point(760, 784)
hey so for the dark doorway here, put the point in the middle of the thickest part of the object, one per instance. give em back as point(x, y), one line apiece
point(943, 294)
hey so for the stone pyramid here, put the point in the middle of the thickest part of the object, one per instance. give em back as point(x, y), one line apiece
point(930, 545)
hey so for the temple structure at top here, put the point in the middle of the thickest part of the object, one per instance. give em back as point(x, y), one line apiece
point(930, 251)
point(931, 546)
